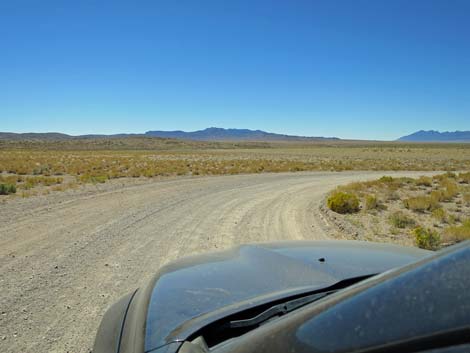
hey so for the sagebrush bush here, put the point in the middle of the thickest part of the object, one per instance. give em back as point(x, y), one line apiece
point(426, 238)
point(6, 189)
point(341, 202)
point(400, 220)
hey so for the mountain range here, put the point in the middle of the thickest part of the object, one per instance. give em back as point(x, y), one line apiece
point(220, 134)
point(209, 134)
point(436, 136)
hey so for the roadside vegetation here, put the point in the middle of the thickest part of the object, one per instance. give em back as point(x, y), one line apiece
point(36, 167)
point(429, 212)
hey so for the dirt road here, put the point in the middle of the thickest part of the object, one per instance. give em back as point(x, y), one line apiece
point(65, 260)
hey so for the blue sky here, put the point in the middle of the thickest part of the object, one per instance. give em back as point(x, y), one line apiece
point(368, 69)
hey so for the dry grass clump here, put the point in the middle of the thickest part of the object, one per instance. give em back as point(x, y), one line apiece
point(440, 215)
point(97, 179)
point(424, 181)
point(458, 233)
point(371, 202)
point(31, 182)
point(466, 198)
point(420, 203)
point(450, 189)
point(464, 178)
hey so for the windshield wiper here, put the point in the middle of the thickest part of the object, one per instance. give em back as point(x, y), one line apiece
point(251, 318)
point(278, 310)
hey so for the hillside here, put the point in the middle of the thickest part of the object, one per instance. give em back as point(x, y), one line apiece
point(436, 136)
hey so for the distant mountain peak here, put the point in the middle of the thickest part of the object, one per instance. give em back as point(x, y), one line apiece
point(436, 136)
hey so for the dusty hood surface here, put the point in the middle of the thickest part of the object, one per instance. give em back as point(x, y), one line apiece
point(191, 293)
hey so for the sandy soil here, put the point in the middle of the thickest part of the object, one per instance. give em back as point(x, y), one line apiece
point(65, 257)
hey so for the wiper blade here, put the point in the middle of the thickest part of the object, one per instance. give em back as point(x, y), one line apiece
point(278, 310)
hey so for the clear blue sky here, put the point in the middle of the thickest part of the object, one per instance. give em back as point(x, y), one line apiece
point(370, 69)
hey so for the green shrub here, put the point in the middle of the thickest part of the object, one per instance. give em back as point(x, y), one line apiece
point(426, 238)
point(459, 233)
point(400, 220)
point(342, 202)
point(6, 189)
point(371, 202)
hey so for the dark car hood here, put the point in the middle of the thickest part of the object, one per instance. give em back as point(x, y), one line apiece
point(194, 292)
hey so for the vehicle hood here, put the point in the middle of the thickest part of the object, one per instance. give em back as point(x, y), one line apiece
point(191, 293)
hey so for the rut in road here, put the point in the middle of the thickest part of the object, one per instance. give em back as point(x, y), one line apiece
point(64, 263)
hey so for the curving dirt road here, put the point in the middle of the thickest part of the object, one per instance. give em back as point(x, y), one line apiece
point(64, 261)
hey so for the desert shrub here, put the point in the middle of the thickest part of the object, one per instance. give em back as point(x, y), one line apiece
point(400, 220)
point(426, 238)
point(450, 190)
point(424, 181)
point(6, 189)
point(386, 179)
point(440, 214)
point(459, 233)
point(420, 203)
point(453, 219)
point(371, 202)
point(342, 202)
